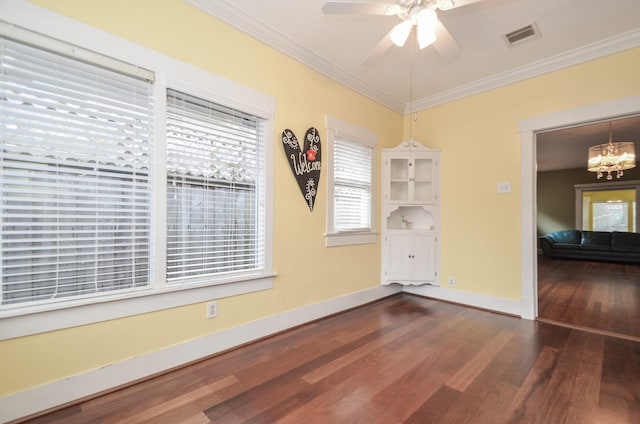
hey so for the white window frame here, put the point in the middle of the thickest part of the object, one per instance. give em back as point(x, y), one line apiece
point(337, 128)
point(17, 322)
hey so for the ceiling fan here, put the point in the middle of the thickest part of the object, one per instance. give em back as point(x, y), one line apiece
point(420, 14)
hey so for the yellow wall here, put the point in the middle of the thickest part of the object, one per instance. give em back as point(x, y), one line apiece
point(478, 136)
point(480, 229)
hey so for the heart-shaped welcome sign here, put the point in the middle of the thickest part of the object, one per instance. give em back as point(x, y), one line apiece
point(305, 163)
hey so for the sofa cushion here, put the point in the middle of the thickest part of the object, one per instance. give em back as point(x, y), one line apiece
point(595, 248)
point(566, 236)
point(625, 242)
point(564, 246)
point(596, 240)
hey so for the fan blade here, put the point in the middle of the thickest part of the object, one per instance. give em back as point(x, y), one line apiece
point(378, 51)
point(445, 44)
point(358, 8)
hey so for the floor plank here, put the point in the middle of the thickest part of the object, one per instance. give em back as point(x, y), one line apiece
point(404, 359)
point(595, 295)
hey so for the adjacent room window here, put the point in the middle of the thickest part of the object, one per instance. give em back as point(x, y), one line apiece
point(609, 208)
point(350, 217)
point(215, 186)
point(611, 216)
point(75, 166)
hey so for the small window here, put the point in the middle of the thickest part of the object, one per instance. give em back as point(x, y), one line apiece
point(350, 217)
point(352, 189)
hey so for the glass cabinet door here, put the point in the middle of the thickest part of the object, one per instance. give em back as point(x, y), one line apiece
point(423, 190)
point(411, 180)
point(399, 179)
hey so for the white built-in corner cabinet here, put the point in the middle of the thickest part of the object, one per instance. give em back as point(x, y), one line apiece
point(410, 214)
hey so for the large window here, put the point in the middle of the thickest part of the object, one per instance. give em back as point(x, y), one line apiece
point(350, 218)
point(75, 167)
point(148, 185)
point(215, 181)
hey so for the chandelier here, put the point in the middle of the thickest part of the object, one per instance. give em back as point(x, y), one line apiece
point(612, 157)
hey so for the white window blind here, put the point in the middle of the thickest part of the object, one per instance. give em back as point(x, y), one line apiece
point(352, 165)
point(215, 190)
point(74, 169)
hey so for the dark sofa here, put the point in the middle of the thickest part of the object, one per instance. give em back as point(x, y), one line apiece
point(605, 246)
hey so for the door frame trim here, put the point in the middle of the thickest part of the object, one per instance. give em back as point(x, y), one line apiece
point(528, 128)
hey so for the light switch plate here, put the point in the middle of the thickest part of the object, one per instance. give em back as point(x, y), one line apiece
point(504, 187)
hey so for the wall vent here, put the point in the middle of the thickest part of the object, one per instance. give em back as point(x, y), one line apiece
point(522, 34)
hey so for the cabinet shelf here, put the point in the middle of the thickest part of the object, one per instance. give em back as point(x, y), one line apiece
point(411, 218)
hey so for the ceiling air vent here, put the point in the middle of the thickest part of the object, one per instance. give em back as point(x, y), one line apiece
point(522, 34)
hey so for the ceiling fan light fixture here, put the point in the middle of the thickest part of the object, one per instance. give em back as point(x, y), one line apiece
point(427, 22)
point(400, 33)
point(425, 37)
point(427, 18)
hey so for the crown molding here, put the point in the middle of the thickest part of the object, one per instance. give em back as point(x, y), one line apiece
point(230, 14)
point(593, 51)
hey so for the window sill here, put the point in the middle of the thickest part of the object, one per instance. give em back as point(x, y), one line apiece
point(35, 320)
point(350, 238)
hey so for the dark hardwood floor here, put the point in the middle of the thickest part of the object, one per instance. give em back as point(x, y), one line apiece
point(404, 359)
point(596, 295)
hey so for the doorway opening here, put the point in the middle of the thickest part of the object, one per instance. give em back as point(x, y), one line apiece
point(602, 295)
point(529, 130)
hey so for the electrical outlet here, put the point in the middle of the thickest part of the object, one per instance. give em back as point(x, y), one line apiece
point(451, 282)
point(212, 309)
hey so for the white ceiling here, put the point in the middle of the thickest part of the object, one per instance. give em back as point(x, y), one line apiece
point(571, 32)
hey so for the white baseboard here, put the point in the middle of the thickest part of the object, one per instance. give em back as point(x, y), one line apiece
point(506, 306)
point(75, 387)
